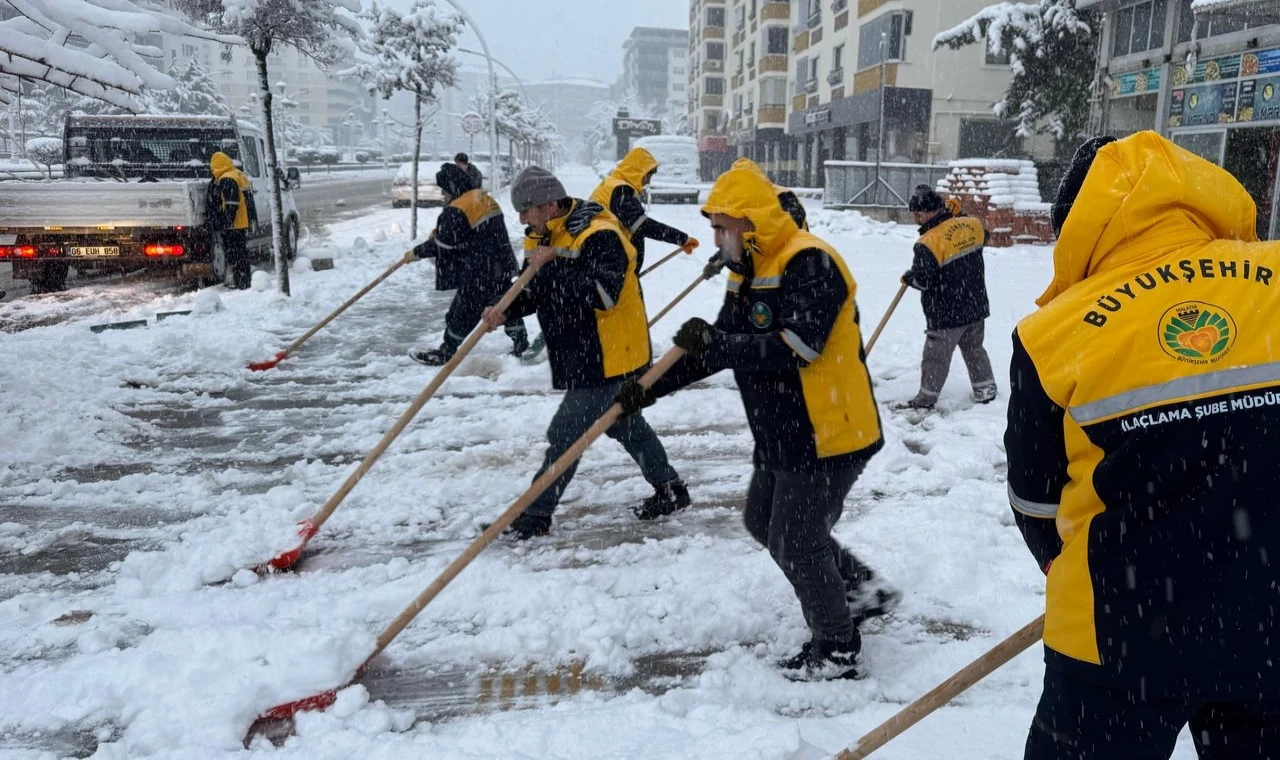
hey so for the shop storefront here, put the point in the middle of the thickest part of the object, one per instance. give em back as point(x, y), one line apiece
point(847, 129)
point(715, 156)
point(1227, 109)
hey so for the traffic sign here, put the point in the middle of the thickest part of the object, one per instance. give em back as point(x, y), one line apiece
point(472, 123)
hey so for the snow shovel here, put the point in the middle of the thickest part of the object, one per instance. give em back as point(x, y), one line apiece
point(946, 691)
point(557, 468)
point(260, 366)
point(712, 268)
point(310, 526)
point(885, 319)
point(663, 260)
point(540, 342)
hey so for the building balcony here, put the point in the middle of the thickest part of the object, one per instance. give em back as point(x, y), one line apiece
point(773, 63)
point(775, 11)
point(811, 86)
point(712, 101)
point(867, 6)
point(801, 42)
point(799, 102)
point(713, 33)
point(835, 77)
point(769, 115)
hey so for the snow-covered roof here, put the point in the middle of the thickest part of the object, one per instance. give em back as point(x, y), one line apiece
point(1205, 6)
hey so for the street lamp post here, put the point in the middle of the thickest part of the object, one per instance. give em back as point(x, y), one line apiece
point(493, 86)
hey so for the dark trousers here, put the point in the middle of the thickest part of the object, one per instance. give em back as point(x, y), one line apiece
point(464, 314)
point(235, 250)
point(1082, 720)
point(939, 345)
point(792, 513)
point(579, 409)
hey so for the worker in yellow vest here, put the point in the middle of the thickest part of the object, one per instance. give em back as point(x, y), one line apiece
point(789, 330)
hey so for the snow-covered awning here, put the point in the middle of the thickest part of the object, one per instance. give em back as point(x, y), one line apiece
point(1262, 10)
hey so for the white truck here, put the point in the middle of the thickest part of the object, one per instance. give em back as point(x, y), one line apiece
point(132, 197)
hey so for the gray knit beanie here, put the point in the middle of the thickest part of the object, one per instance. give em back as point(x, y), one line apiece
point(535, 186)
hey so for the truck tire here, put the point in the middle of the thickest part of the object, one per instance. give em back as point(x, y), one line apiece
point(52, 277)
point(291, 240)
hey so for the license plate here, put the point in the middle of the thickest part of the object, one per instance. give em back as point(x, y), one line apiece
point(95, 250)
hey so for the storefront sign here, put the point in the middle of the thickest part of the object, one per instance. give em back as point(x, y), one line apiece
point(637, 127)
point(1259, 100)
point(713, 143)
point(1135, 83)
point(1206, 104)
point(1208, 70)
point(817, 117)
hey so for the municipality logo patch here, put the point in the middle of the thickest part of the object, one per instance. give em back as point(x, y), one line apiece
point(1197, 332)
point(761, 315)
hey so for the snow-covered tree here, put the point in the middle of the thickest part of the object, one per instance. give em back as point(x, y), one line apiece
point(410, 52)
point(529, 132)
point(1052, 50)
point(322, 30)
point(88, 47)
point(45, 151)
point(195, 93)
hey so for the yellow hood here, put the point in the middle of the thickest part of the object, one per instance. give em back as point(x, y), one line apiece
point(634, 166)
point(752, 166)
point(221, 163)
point(1144, 198)
point(746, 193)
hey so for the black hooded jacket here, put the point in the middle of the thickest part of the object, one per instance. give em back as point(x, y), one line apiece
point(470, 243)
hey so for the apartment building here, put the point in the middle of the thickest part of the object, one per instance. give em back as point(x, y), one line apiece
point(647, 67)
point(1206, 74)
point(708, 118)
point(851, 59)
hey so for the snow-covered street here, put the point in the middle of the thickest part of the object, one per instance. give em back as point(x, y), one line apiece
point(144, 470)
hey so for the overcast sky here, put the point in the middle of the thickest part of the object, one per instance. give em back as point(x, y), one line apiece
point(539, 39)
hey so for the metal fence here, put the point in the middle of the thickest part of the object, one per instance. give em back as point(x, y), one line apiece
point(854, 184)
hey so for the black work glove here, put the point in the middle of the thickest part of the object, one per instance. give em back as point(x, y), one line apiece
point(694, 336)
point(908, 279)
point(713, 266)
point(425, 250)
point(633, 397)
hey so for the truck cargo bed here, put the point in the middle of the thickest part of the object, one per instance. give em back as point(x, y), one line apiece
point(98, 203)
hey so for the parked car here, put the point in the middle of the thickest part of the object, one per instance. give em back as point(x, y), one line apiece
point(402, 186)
point(677, 178)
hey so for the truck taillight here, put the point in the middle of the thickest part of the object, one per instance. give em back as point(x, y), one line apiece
point(163, 249)
point(17, 251)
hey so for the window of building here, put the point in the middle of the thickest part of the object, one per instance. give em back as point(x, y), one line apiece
point(677, 70)
point(813, 67)
point(739, 69)
point(1207, 145)
point(892, 28)
point(752, 12)
point(751, 56)
point(714, 85)
point(773, 92)
point(715, 51)
point(814, 13)
point(737, 104)
point(715, 16)
point(837, 57)
point(776, 40)
point(994, 59)
point(677, 87)
point(1211, 26)
point(802, 73)
point(740, 17)
point(1139, 27)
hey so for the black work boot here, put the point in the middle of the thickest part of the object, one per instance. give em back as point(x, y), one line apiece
point(667, 498)
point(871, 598)
point(519, 344)
point(526, 526)
point(821, 660)
point(435, 357)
